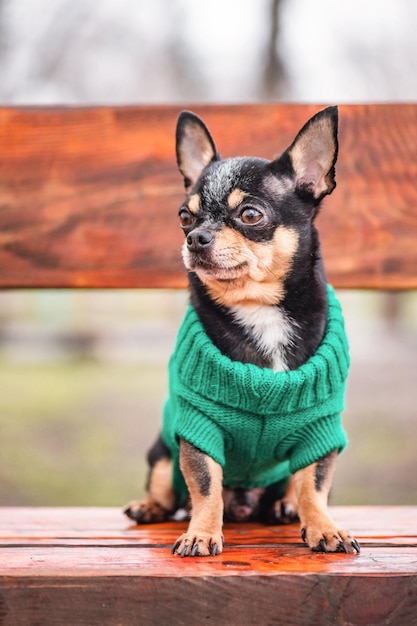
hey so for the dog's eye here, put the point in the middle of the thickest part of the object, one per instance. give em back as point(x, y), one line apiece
point(186, 218)
point(250, 215)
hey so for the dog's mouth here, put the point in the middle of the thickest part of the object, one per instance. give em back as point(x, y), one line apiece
point(219, 271)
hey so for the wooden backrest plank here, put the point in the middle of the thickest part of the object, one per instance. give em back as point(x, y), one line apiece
point(89, 196)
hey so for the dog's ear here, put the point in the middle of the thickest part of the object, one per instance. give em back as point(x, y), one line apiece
point(313, 155)
point(194, 146)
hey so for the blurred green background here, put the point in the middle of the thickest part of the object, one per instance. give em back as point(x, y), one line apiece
point(81, 399)
point(83, 380)
point(83, 374)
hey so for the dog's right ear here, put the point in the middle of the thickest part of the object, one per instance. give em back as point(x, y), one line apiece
point(195, 147)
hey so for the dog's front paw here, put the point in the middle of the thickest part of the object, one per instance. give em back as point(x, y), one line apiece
point(329, 539)
point(201, 544)
point(145, 511)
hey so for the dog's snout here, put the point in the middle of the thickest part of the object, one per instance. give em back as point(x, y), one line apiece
point(199, 239)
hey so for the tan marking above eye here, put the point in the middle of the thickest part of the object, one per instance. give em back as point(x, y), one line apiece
point(194, 203)
point(235, 198)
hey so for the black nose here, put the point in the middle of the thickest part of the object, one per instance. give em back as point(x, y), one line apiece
point(199, 239)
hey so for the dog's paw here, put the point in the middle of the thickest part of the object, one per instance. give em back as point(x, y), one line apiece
point(329, 540)
point(283, 512)
point(145, 512)
point(201, 544)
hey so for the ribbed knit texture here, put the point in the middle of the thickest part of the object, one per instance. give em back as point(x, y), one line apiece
point(260, 425)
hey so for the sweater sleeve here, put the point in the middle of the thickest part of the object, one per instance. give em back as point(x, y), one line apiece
point(196, 427)
point(316, 440)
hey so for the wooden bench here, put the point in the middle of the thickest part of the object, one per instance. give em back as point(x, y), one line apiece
point(88, 198)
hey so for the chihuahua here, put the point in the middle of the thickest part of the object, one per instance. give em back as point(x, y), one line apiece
point(247, 435)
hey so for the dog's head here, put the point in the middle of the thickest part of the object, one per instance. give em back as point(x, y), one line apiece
point(247, 219)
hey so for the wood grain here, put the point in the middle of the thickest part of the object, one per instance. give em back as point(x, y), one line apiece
point(86, 566)
point(89, 196)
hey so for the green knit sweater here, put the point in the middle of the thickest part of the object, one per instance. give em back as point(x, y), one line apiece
point(260, 426)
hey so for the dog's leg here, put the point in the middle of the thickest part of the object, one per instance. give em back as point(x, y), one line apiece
point(317, 528)
point(203, 477)
point(159, 501)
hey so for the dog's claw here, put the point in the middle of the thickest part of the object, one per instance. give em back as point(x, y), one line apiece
point(214, 550)
point(341, 547)
point(321, 547)
point(184, 551)
point(195, 551)
point(175, 547)
point(355, 545)
point(304, 534)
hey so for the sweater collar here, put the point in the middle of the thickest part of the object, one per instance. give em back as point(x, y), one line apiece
point(203, 369)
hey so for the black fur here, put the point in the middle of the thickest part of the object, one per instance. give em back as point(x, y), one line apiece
point(197, 462)
point(322, 469)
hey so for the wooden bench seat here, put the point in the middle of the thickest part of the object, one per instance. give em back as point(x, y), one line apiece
point(89, 566)
point(89, 199)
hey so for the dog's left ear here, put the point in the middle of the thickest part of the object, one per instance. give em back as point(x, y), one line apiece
point(313, 155)
point(194, 146)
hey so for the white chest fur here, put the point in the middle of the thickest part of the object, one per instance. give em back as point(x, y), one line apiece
point(270, 328)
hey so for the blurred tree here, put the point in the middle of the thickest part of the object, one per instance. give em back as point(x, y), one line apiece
point(274, 79)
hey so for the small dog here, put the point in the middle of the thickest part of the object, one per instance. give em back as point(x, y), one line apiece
point(252, 425)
